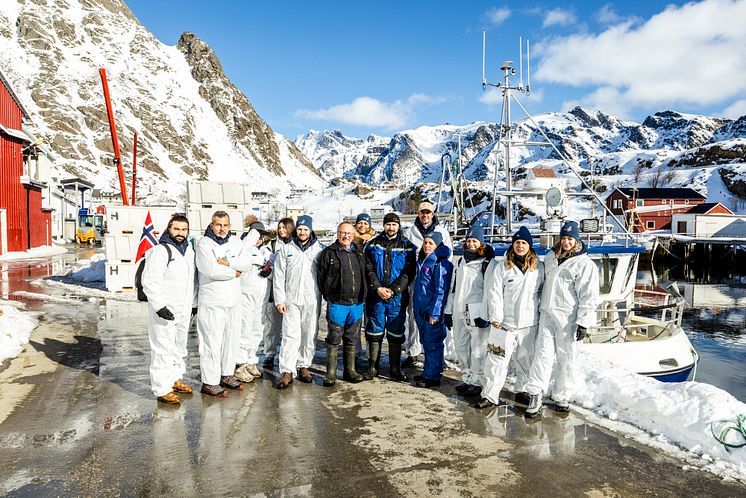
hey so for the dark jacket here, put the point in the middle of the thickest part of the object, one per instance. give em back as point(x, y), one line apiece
point(433, 282)
point(341, 274)
point(390, 263)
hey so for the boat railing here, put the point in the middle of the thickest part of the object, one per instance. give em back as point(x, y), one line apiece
point(649, 315)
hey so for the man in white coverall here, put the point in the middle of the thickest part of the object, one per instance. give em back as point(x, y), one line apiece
point(425, 224)
point(219, 267)
point(169, 285)
point(254, 293)
point(568, 308)
point(298, 298)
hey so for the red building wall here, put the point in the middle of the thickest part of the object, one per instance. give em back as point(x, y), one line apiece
point(13, 194)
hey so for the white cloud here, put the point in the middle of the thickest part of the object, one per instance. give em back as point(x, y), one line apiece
point(692, 54)
point(558, 17)
point(367, 111)
point(735, 110)
point(498, 16)
point(607, 15)
point(491, 97)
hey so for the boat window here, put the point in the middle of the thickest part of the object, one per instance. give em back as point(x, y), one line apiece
point(606, 269)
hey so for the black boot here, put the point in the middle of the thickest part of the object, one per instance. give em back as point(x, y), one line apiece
point(332, 353)
point(350, 355)
point(374, 357)
point(395, 372)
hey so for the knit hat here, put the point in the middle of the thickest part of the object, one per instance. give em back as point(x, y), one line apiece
point(525, 235)
point(363, 217)
point(391, 218)
point(426, 206)
point(570, 229)
point(436, 236)
point(259, 227)
point(304, 221)
point(476, 232)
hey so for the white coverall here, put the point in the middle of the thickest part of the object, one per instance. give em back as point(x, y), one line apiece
point(412, 344)
point(294, 285)
point(470, 342)
point(219, 313)
point(569, 299)
point(254, 293)
point(511, 298)
point(272, 317)
point(169, 284)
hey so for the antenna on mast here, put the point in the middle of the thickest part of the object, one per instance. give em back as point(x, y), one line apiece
point(520, 60)
point(484, 43)
point(528, 64)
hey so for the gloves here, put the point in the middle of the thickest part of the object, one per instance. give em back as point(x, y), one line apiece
point(194, 311)
point(165, 313)
point(448, 320)
point(581, 333)
point(482, 324)
point(265, 270)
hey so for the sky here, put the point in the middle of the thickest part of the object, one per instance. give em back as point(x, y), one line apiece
point(383, 66)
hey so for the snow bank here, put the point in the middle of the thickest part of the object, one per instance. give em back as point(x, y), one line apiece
point(15, 328)
point(36, 252)
point(678, 413)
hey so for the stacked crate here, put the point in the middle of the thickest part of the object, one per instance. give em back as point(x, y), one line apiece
point(204, 198)
point(124, 229)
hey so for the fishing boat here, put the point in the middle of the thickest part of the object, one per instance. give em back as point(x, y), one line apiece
point(639, 330)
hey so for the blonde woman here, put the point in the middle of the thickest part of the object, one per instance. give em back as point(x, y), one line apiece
point(568, 308)
point(511, 305)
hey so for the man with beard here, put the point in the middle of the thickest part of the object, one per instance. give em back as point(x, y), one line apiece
point(168, 282)
point(390, 264)
point(298, 299)
point(220, 263)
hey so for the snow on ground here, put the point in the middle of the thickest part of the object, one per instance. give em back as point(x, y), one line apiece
point(36, 252)
point(81, 291)
point(674, 417)
point(15, 328)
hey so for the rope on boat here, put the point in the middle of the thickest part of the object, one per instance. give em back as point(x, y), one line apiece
point(722, 429)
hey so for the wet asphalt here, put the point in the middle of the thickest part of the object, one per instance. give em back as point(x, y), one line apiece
point(78, 419)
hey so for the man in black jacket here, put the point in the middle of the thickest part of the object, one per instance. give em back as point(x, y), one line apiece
point(341, 280)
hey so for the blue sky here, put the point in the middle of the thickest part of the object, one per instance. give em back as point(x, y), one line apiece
point(379, 67)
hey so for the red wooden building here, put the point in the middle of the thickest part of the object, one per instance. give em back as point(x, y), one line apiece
point(646, 209)
point(23, 223)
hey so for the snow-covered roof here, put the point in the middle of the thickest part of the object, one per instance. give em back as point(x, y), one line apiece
point(661, 193)
point(706, 208)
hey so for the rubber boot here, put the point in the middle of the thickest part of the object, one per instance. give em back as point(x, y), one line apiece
point(395, 372)
point(332, 353)
point(350, 355)
point(374, 358)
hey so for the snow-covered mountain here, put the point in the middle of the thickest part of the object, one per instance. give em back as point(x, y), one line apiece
point(667, 140)
point(192, 122)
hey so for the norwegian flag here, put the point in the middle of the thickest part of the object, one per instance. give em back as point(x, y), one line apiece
point(147, 240)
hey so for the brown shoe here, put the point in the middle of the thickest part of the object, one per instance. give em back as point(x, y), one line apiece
point(304, 375)
point(216, 391)
point(230, 382)
point(180, 387)
point(170, 399)
point(285, 380)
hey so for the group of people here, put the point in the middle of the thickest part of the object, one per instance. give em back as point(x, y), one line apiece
point(514, 314)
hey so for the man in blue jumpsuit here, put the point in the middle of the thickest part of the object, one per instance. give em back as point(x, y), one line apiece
point(390, 263)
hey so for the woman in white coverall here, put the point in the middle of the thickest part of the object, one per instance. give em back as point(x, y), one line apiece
point(511, 305)
point(272, 317)
point(169, 285)
point(463, 311)
point(254, 292)
point(298, 298)
point(219, 267)
point(568, 307)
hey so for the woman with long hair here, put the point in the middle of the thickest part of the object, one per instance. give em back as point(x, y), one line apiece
point(568, 308)
point(272, 317)
point(463, 311)
point(511, 305)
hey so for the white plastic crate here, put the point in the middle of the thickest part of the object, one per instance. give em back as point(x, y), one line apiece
point(129, 220)
point(200, 218)
point(120, 276)
point(213, 193)
point(121, 248)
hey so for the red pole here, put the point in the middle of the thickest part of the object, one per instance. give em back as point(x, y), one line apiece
point(114, 139)
point(134, 168)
